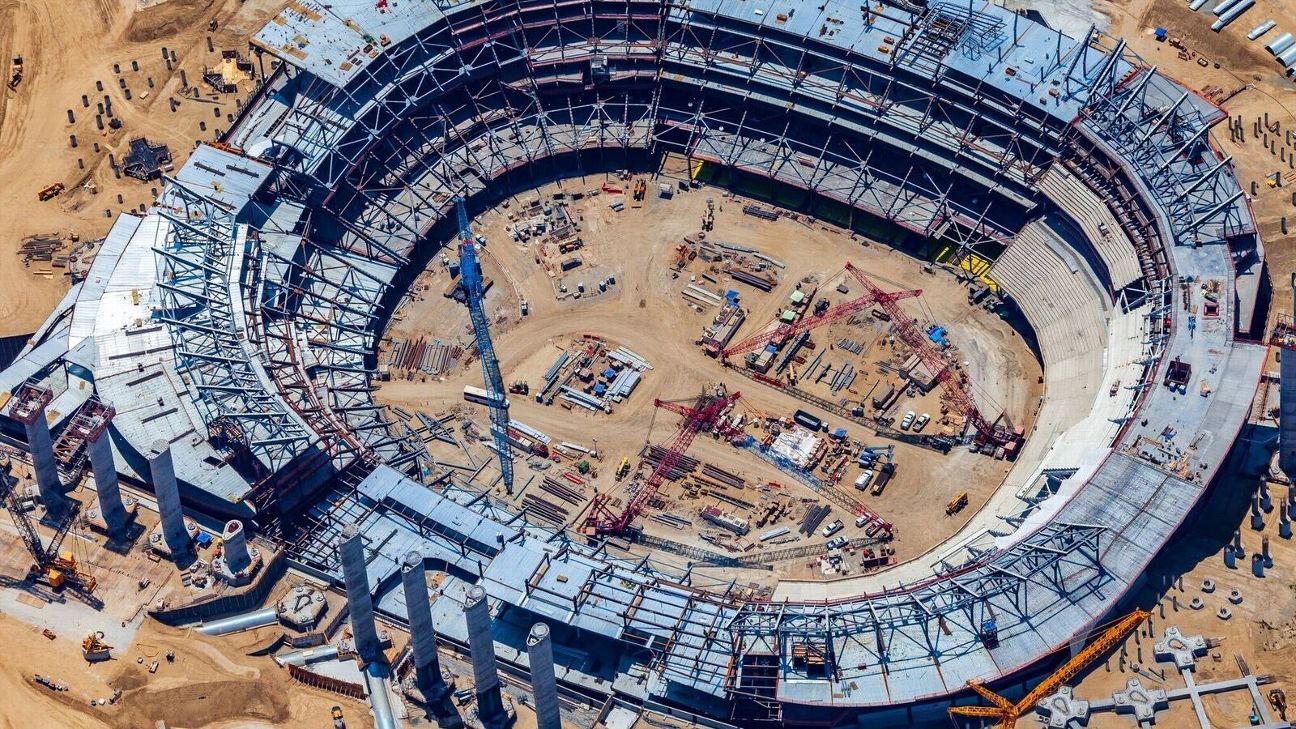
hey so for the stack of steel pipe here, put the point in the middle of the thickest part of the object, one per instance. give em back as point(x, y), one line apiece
point(723, 476)
point(682, 466)
point(561, 490)
point(623, 385)
point(813, 518)
point(577, 397)
point(545, 509)
point(528, 430)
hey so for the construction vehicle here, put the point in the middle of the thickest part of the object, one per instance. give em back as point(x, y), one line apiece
point(60, 569)
point(706, 414)
point(95, 649)
point(338, 721)
point(623, 469)
point(519, 387)
point(957, 504)
point(1007, 713)
point(475, 294)
point(1278, 700)
point(50, 192)
point(16, 73)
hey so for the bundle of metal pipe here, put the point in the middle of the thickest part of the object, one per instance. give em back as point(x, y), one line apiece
point(723, 476)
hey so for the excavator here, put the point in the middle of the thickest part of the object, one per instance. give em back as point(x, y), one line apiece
point(57, 567)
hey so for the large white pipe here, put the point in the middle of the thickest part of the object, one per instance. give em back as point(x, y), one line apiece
point(1261, 29)
point(1232, 14)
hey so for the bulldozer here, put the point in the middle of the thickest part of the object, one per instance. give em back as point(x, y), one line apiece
point(95, 649)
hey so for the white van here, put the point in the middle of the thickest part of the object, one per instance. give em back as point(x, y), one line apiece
point(908, 420)
point(864, 479)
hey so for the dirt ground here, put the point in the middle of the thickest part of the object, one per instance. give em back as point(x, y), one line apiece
point(211, 684)
point(66, 48)
point(645, 312)
point(1248, 83)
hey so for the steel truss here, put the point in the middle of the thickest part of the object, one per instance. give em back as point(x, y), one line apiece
point(1163, 132)
point(1056, 567)
point(196, 263)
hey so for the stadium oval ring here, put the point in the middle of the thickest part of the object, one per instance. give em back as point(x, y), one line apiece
point(238, 316)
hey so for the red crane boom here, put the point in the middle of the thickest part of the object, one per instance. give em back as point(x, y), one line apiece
point(960, 398)
point(602, 521)
point(817, 320)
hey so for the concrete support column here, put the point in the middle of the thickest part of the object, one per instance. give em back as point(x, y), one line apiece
point(1287, 408)
point(359, 599)
point(162, 473)
point(543, 682)
point(111, 506)
point(423, 633)
point(490, 705)
point(237, 557)
point(43, 463)
point(427, 665)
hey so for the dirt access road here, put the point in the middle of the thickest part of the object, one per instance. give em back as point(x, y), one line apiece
point(67, 47)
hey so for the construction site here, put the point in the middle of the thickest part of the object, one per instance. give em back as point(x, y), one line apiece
point(648, 364)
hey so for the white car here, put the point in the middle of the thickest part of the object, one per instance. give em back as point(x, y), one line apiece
point(837, 543)
point(864, 479)
point(908, 420)
point(833, 528)
point(921, 422)
point(860, 522)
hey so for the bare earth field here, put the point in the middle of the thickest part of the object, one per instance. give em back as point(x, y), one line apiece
point(645, 312)
point(67, 47)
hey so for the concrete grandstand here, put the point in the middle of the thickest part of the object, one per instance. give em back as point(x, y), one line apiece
point(238, 318)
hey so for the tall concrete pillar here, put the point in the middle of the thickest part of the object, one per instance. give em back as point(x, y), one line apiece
point(1287, 404)
point(236, 553)
point(29, 409)
point(427, 666)
point(167, 491)
point(359, 599)
point(111, 506)
point(490, 706)
point(543, 683)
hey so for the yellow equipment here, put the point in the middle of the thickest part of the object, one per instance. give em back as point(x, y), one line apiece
point(1008, 713)
point(623, 469)
point(95, 649)
point(956, 504)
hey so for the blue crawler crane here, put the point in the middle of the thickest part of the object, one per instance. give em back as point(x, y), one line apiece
point(471, 280)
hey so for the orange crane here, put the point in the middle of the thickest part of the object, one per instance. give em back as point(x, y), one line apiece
point(1008, 712)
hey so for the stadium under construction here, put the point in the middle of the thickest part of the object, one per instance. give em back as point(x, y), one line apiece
point(230, 333)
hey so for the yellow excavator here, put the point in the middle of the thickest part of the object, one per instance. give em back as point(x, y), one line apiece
point(95, 649)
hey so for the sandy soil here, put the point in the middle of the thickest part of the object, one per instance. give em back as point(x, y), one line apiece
point(66, 48)
point(211, 684)
point(1251, 85)
point(645, 312)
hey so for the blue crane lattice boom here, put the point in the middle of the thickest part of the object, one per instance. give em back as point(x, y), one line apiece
point(471, 279)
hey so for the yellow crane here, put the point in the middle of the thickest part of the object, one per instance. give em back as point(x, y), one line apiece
point(1008, 712)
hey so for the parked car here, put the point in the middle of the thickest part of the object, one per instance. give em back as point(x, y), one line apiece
point(908, 420)
point(833, 528)
point(837, 543)
point(921, 422)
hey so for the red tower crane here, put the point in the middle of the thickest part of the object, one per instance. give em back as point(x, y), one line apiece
point(960, 398)
point(840, 311)
point(704, 415)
